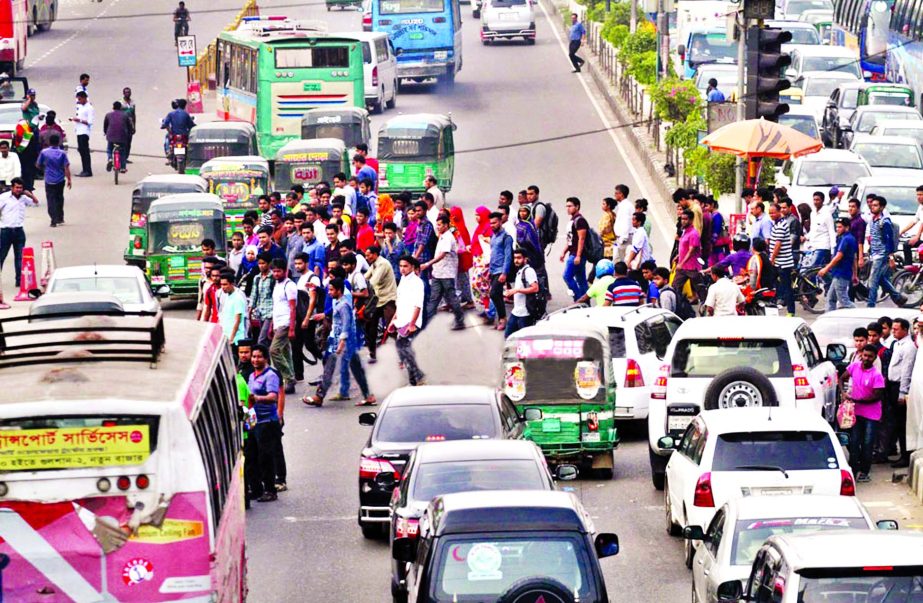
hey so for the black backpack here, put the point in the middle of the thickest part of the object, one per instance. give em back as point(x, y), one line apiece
point(304, 300)
point(548, 229)
point(684, 309)
point(592, 246)
point(536, 303)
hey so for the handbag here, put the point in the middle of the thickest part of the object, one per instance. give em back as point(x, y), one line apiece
point(846, 414)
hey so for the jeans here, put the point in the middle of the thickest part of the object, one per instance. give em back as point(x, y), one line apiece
point(110, 146)
point(350, 361)
point(861, 437)
point(425, 277)
point(879, 275)
point(382, 314)
point(784, 290)
point(572, 49)
point(15, 238)
point(517, 322)
point(681, 277)
point(838, 294)
point(409, 358)
point(575, 276)
point(444, 288)
point(54, 194)
point(83, 147)
point(496, 296)
point(280, 353)
point(892, 432)
point(268, 441)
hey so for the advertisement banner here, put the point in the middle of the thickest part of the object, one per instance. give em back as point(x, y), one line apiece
point(73, 447)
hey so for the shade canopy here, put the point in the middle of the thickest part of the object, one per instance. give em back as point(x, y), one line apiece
point(760, 138)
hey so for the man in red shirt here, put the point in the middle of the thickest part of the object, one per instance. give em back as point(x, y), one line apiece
point(687, 258)
point(365, 236)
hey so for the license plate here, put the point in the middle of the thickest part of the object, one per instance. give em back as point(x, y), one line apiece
point(771, 310)
point(507, 16)
point(551, 425)
point(592, 436)
point(773, 491)
point(678, 423)
point(441, 55)
point(158, 280)
point(179, 151)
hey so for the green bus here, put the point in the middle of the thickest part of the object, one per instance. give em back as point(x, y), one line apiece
point(271, 71)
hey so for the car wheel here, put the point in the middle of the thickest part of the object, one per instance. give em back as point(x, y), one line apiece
point(688, 552)
point(371, 531)
point(740, 387)
point(379, 105)
point(392, 103)
point(673, 528)
point(658, 476)
point(530, 41)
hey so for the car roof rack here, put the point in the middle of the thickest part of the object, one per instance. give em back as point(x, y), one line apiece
point(67, 337)
point(638, 310)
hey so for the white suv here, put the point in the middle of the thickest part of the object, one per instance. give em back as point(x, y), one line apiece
point(734, 362)
point(638, 341)
point(507, 19)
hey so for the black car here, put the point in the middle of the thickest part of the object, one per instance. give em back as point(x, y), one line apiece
point(840, 106)
point(505, 546)
point(444, 468)
point(411, 416)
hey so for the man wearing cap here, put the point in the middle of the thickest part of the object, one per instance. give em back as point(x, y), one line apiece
point(83, 124)
point(30, 109)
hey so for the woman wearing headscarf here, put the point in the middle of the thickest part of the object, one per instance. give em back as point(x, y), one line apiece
point(465, 258)
point(385, 212)
point(247, 269)
point(527, 238)
point(480, 251)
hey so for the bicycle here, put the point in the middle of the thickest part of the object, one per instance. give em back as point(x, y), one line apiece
point(116, 161)
point(809, 289)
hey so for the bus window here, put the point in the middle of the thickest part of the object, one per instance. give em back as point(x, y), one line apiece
point(913, 22)
point(323, 57)
point(397, 7)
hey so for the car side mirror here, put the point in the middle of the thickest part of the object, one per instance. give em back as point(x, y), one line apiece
point(667, 443)
point(730, 591)
point(693, 533)
point(846, 128)
point(533, 414)
point(790, 72)
point(843, 438)
point(607, 544)
point(368, 418)
point(566, 473)
point(162, 291)
point(404, 549)
point(886, 524)
point(836, 352)
point(386, 480)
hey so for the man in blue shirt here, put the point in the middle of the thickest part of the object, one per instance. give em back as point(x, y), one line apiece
point(264, 399)
point(178, 122)
point(364, 171)
point(501, 258)
point(576, 36)
point(715, 95)
point(314, 249)
point(57, 171)
point(841, 267)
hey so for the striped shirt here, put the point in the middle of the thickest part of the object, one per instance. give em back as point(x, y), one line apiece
point(782, 235)
point(624, 292)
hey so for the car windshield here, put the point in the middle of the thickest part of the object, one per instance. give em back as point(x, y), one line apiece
point(752, 533)
point(479, 569)
point(436, 479)
point(828, 173)
point(838, 64)
point(820, 86)
point(708, 48)
point(885, 584)
point(794, 8)
point(436, 422)
point(790, 450)
point(125, 288)
point(803, 123)
point(397, 7)
point(726, 79)
point(507, 3)
point(708, 357)
point(890, 155)
point(804, 35)
point(902, 200)
point(868, 119)
point(915, 133)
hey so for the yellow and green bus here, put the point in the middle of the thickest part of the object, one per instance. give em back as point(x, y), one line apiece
point(271, 71)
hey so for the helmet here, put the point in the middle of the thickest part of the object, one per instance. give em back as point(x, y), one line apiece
point(740, 242)
point(604, 267)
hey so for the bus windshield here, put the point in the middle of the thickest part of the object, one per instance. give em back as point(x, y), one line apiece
point(288, 57)
point(398, 7)
point(711, 48)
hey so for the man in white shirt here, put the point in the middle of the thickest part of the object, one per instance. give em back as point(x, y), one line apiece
point(9, 164)
point(432, 188)
point(83, 124)
point(622, 226)
point(445, 269)
point(13, 205)
point(917, 223)
point(409, 316)
point(894, 417)
point(342, 187)
point(821, 239)
point(639, 251)
point(284, 298)
point(724, 295)
point(525, 283)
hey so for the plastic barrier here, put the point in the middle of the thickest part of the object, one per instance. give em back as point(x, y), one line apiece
point(27, 282)
point(48, 263)
point(194, 97)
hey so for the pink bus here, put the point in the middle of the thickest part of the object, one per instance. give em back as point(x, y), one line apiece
point(120, 459)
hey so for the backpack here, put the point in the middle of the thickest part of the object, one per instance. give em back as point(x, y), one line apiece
point(895, 235)
point(770, 274)
point(592, 246)
point(536, 303)
point(548, 230)
point(684, 309)
point(304, 300)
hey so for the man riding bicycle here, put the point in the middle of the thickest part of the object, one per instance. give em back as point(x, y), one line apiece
point(180, 21)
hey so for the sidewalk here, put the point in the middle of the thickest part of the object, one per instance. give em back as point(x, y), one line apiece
point(887, 499)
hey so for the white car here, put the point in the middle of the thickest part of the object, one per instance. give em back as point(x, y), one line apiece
point(725, 74)
point(817, 86)
point(792, 9)
point(741, 525)
point(890, 155)
point(803, 34)
point(848, 566)
point(837, 326)
point(507, 19)
point(866, 117)
point(820, 171)
point(801, 119)
point(126, 283)
point(823, 58)
point(736, 452)
point(736, 362)
point(638, 341)
point(899, 127)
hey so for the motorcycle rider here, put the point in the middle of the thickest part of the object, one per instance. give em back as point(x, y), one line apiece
point(177, 123)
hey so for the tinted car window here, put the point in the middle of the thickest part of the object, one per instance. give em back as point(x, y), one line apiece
point(790, 450)
point(899, 584)
point(436, 423)
point(708, 357)
point(435, 479)
point(617, 342)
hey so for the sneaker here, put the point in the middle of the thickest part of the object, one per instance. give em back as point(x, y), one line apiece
point(863, 478)
point(281, 487)
point(460, 327)
point(268, 497)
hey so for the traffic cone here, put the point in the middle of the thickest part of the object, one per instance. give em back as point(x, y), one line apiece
point(27, 282)
point(48, 262)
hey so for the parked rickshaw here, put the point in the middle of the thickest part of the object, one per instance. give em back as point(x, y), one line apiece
point(560, 379)
point(219, 139)
point(349, 124)
point(148, 190)
point(308, 162)
point(886, 94)
point(411, 147)
point(239, 182)
point(176, 226)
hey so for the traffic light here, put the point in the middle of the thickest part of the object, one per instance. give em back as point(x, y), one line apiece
point(765, 79)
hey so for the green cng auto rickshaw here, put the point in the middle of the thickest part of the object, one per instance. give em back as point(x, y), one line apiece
point(219, 139)
point(308, 162)
point(560, 379)
point(886, 94)
point(176, 226)
point(148, 190)
point(349, 124)
point(239, 182)
point(411, 147)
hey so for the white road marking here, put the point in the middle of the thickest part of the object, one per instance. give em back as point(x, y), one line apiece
point(665, 231)
point(71, 37)
point(291, 519)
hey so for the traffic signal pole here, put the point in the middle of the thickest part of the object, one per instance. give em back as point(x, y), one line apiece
point(740, 22)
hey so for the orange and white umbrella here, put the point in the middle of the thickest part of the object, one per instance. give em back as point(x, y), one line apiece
point(760, 138)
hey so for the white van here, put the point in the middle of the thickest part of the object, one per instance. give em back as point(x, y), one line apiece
point(380, 73)
point(507, 19)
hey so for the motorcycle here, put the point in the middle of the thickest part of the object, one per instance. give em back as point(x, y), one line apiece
point(178, 144)
point(760, 302)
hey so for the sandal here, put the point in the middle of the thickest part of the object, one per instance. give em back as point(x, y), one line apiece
point(313, 401)
point(370, 401)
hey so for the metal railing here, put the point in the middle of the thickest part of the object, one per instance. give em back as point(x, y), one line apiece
point(204, 71)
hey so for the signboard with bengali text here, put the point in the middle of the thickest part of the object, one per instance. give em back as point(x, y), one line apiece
point(74, 447)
